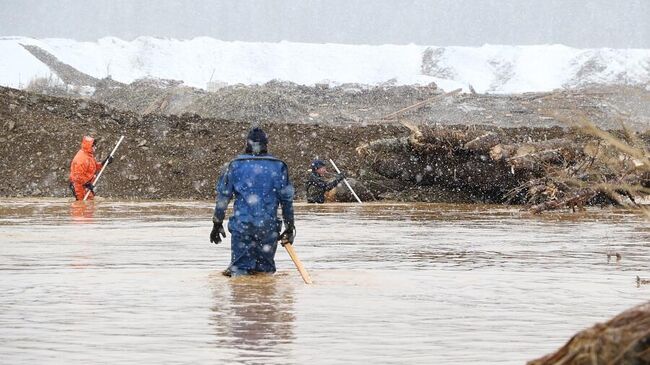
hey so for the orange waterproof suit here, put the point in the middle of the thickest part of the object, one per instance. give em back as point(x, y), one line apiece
point(83, 169)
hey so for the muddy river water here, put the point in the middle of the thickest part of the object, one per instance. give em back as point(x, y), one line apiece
point(138, 282)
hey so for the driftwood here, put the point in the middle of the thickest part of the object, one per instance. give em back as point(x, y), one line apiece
point(544, 150)
point(452, 159)
point(625, 339)
point(386, 145)
point(575, 200)
point(483, 143)
point(508, 166)
point(420, 104)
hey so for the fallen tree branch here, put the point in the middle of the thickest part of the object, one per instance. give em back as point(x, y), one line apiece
point(419, 104)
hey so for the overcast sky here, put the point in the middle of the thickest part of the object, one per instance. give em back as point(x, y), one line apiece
point(578, 23)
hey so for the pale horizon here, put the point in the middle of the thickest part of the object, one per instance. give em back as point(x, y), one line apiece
point(574, 23)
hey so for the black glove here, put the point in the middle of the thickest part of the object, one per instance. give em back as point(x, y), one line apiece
point(217, 232)
point(90, 187)
point(107, 161)
point(288, 235)
point(340, 176)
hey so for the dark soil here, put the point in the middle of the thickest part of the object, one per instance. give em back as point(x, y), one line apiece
point(162, 157)
point(180, 156)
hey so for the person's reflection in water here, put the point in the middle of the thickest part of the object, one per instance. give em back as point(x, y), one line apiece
point(82, 211)
point(253, 315)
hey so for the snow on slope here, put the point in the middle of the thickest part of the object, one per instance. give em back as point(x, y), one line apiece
point(17, 66)
point(496, 69)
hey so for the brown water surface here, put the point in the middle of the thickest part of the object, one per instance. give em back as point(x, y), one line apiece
point(138, 282)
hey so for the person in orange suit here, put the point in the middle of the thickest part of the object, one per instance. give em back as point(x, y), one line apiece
point(84, 168)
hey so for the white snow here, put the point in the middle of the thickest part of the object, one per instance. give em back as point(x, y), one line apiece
point(18, 67)
point(490, 68)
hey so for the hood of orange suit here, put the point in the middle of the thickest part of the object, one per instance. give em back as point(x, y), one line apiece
point(87, 144)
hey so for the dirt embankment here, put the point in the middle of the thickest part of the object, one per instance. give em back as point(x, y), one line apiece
point(351, 104)
point(161, 157)
point(169, 156)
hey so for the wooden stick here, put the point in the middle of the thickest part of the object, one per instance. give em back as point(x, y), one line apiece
point(103, 167)
point(296, 261)
point(420, 104)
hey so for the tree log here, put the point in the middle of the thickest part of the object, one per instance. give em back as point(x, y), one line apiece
point(484, 143)
point(578, 199)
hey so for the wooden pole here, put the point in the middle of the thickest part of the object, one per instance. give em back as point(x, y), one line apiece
point(103, 167)
point(346, 182)
point(294, 257)
point(419, 104)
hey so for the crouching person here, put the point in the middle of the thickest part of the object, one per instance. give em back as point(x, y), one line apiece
point(318, 189)
point(259, 182)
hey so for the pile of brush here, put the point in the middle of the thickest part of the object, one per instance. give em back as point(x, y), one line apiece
point(544, 168)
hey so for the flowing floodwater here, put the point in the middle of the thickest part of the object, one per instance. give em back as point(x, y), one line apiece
point(138, 282)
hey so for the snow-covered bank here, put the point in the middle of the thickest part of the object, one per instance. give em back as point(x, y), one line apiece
point(496, 69)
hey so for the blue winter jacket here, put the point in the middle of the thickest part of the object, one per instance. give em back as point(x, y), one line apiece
point(259, 184)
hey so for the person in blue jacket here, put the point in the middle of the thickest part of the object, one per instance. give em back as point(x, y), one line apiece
point(259, 182)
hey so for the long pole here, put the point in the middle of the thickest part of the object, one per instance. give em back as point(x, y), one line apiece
point(420, 104)
point(301, 269)
point(103, 167)
point(346, 182)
